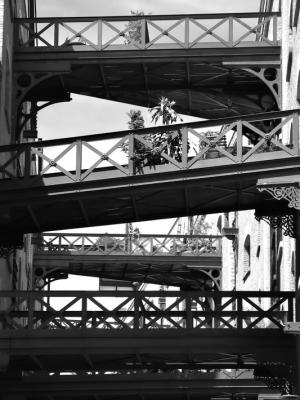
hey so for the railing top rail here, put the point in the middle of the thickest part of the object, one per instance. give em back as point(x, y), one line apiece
point(125, 235)
point(151, 130)
point(145, 293)
point(151, 17)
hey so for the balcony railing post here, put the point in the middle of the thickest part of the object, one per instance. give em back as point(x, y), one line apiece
point(78, 159)
point(186, 33)
point(27, 162)
point(131, 161)
point(56, 34)
point(188, 312)
point(84, 312)
point(184, 132)
point(30, 311)
point(274, 29)
point(239, 316)
point(239, 141)
point(136, 322)
point(295, 133)
point(230, 31)
point(100, 34)
point(143, 33)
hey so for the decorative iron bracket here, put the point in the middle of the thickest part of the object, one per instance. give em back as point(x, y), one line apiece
point(277, 376)
point(286, 222)
point(289, 193)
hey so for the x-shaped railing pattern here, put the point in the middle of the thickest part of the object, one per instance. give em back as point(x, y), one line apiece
point(148, 310)
point(148, 32)
point(124, 154)
point(131, 244)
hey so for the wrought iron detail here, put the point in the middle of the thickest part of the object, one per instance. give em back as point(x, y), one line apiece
point(289, 193)
point(286, 222)
point(277, 376)
point(271, 78)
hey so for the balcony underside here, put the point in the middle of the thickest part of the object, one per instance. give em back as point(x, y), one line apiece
point(53, 203)
point(207, 83)
point(77, 350)
point(183, 271)
point(169, 385)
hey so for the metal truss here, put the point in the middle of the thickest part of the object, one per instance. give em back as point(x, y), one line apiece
point(151, 32)
point(140, 311)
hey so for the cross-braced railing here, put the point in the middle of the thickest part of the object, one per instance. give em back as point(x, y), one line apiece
point(179, 147)
point(148, 32)
point(132, 244)
point(141, 310)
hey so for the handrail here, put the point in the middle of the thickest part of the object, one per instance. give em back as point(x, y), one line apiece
point(152, 16)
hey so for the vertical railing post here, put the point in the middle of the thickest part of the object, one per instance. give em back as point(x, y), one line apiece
point(186, 33)
point(84, 311)
point(136, 322)
point(239, 317)
point(131, 166)
point(274, 29)
point(188, 312)
point(82, 244)
point(143, 33)
point(27, 163)
point(239, 141)
point(59, 242)
point(295, 133)
point(56, 34)
point(78, 160)
point(100, 44)
point(184, 132)
point(290, 313)
point(230, 31)
point(30, 311)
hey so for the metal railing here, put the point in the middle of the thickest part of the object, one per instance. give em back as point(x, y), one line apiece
point(134, 244)
point(127, 153)
point(147, 32)
point(60, 310)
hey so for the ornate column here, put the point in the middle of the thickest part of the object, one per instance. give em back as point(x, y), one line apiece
point(297, 289)
point(291, 193)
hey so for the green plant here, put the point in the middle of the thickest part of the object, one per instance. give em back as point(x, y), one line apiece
point(164, 110)
point(150, 155)
point(134, 33)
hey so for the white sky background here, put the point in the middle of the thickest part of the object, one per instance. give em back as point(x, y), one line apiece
point(84, 115)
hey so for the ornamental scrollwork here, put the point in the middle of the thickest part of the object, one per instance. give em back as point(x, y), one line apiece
point(286, 222)
point(289, 193)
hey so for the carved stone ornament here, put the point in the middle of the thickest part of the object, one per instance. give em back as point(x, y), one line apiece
point(289, 193)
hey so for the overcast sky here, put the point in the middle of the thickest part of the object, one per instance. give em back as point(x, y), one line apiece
point(121, 7)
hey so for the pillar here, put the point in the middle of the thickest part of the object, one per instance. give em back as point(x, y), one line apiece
point(297, 292)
